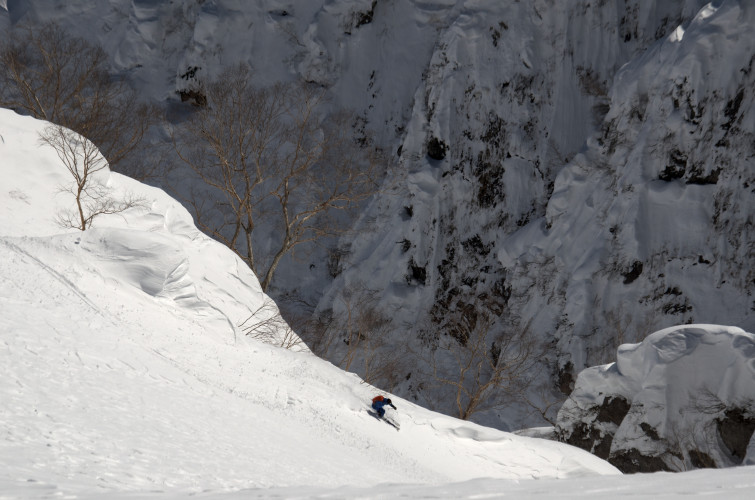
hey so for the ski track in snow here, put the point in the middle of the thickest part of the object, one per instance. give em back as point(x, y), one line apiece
point(55, 274)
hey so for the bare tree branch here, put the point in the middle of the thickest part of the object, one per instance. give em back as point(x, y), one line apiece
point(83, 161)
point(50, 75)
point(269, 156)
point(484, 366)
point(267, 325)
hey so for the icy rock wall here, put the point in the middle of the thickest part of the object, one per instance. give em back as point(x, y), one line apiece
point(652, 224)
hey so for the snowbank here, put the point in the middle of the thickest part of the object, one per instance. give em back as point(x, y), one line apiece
point(156, 249)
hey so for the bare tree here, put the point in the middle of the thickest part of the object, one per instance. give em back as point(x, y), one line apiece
point(544, 401)
point(50, 75)
point(318, 333)
point(83, 161)
point(365, 348)
point(356, 338)
point(484, 366)
point(269, 157)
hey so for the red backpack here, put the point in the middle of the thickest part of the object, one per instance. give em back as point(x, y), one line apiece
point(377, 398)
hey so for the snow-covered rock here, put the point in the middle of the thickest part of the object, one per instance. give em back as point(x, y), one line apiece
point(682, 398)
point(649, 225)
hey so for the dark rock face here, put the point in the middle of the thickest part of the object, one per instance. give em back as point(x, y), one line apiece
point(436, 149)
point(591, 439)
point(613, 410)
point(633, 273)
point(676, 167)
point(632, 461)
point(701, 460)
point(649, 412)
point(598, 436)
point(736, 428)
point(566, 378)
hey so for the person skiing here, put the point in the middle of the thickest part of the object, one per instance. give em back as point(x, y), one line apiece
point(378, 402)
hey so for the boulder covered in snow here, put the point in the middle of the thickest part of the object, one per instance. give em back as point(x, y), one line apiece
point(683, 398)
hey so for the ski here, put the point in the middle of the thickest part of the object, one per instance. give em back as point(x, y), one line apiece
point(385, 419)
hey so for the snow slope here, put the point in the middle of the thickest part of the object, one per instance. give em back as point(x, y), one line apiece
point(596, 181)
point(124, 368)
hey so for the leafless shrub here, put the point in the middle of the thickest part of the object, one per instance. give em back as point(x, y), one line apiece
point(621, 328)
point(318, 334)
point(267, 325)
point(366, 333)
point(687, 443)
point(83, 161)
point(545, 402)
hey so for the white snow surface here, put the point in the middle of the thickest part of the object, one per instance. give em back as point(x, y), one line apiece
point(124, 370)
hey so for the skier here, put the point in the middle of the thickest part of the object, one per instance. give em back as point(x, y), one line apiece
point(378, 402)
